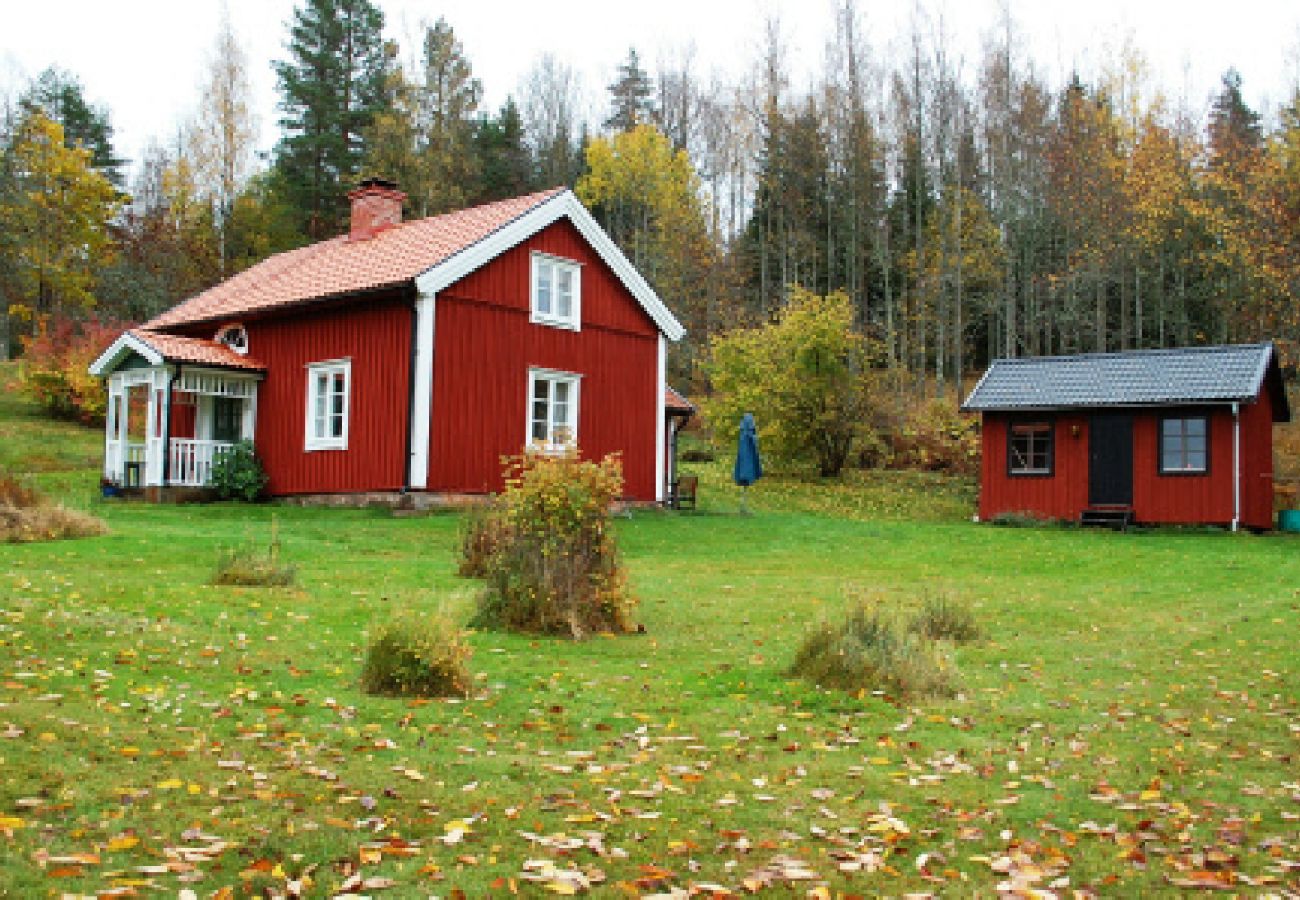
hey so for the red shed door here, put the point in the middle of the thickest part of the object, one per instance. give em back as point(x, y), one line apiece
point(1110, 460)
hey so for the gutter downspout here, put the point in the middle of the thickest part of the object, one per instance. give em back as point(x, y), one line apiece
point(1236, 465)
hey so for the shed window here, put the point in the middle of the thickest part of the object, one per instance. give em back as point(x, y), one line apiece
point(328, 388)
point(1184, 445)
point(1029, 449)
point(556, 292)
point(552, 410)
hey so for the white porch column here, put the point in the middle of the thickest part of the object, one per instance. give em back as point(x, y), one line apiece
point(422, 391)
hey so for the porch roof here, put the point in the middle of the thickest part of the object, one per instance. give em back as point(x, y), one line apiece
point(158, 348)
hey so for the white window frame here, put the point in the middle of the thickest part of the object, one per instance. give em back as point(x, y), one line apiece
point(552, 377)
point(547, 269)
point(330, 368)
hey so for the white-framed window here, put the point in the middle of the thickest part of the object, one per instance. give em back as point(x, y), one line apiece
point(328, 399)
point(552, 410)
point(556, 292)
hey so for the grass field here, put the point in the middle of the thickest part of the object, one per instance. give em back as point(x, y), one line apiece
point(1130, 724)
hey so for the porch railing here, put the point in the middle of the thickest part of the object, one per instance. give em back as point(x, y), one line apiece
point(191, 461)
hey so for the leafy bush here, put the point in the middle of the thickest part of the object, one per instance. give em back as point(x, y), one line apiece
point(237, 474)
point(874, 649)
point(483, 531)
point(417, 654)
point(27, 516)
point(808, 376)
point(944, 618)
point(249, 567)
point(936, 437)
point(54, 367)
point(556, 568)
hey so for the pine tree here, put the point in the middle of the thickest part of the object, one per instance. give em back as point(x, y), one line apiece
point(505, 165)
point(630, 96)
point(331, 89)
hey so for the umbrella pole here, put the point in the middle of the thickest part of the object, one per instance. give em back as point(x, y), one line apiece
point(744, 500)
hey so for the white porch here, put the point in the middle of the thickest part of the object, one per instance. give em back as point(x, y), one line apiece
point(167, 424)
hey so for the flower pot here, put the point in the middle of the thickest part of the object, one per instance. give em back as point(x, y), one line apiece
point(1288, 520)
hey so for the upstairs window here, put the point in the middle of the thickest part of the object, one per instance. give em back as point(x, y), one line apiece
point(556, 292)
point(328, 389)
point(1029, 448)
point(552, 411)
point(1184, 445)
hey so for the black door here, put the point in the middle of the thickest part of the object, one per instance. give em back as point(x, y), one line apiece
point(1110, 460)
point(227, 418)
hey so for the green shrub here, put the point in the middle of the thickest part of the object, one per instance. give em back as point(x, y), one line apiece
point(483, 531)
point(873, 649)
point(1020, 520)
point(556, 568)
point(249, 567)
point(935, 437)
point(237, 474)
point(27, 516)
point(417, 654)
point(944, 618)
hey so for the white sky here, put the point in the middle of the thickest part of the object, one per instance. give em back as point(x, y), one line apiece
point(144, 58)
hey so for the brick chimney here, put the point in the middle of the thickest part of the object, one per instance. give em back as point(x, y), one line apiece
point(376, 205)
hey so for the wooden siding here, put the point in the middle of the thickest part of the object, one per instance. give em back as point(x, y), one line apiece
point(1157, 498)
point(375, 333)
point(1061, 495)
point(485, 346)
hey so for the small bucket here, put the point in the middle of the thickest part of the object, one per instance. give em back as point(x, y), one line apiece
point(1288, 520)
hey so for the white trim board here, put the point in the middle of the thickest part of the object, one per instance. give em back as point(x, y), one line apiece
point(125, 344)
point(562, 205)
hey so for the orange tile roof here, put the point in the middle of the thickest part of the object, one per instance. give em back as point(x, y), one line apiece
point(341, 266)
point(195, 350)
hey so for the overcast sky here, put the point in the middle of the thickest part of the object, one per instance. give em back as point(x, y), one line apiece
point(143, 59)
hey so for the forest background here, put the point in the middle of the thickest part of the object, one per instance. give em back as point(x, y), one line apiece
point(967, 208)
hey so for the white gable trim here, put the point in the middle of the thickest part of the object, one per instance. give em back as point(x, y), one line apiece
point(125, 345)
point(562, 205)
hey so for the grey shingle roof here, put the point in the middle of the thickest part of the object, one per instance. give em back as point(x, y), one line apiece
point(1133, 378)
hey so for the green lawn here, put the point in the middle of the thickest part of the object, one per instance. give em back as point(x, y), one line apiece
point(1132, 717)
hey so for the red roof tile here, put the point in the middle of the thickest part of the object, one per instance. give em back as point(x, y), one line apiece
point(675, 402)
point(194, 350)
point(342, 266)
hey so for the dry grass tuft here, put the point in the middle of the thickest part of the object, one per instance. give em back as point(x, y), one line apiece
point(26, 516)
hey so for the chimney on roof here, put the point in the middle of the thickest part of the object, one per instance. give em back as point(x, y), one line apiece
point(376, 205)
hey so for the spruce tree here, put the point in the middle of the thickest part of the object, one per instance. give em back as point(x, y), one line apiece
point(505, 165)
point(331, 88)
point(630, 96)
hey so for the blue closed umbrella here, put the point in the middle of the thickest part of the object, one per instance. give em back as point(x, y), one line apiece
point(749, 467)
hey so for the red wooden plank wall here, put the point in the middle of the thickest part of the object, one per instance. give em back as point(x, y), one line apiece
point(376, 335)
point(485, 345)
point(1063, 495)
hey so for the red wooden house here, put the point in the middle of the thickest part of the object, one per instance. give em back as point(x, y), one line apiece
point(1181, 436)
point(404, 356)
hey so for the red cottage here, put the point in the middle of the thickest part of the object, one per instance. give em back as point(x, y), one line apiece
point(403, 356)
point(1180, 436)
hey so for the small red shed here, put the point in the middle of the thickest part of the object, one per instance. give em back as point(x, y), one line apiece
point(404, 357)
point(1177, 436)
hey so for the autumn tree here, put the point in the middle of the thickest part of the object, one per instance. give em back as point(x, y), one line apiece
point(646, 195)
point(551, 109)
point(56, 214)
point(223, 134)
point(807, 376)
point(59, 96)
point(331, 89)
